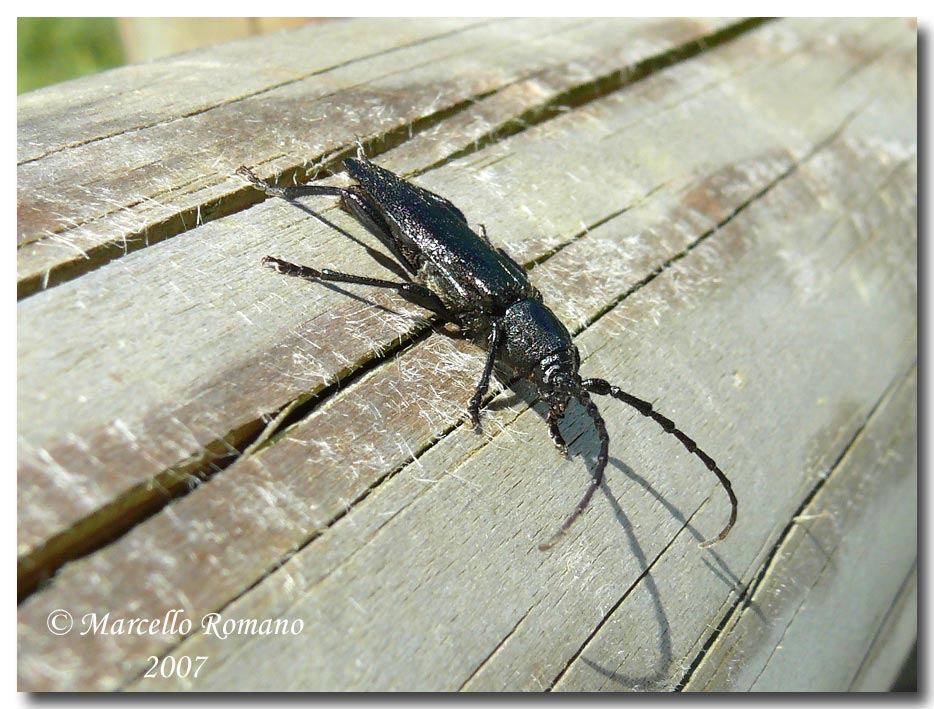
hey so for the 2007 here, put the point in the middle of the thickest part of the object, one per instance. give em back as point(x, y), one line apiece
point(170, 666)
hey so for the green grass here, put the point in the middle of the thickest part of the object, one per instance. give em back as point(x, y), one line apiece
point(53, 49)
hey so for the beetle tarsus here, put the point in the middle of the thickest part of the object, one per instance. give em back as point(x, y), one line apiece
point(269, 188)
point(291, 269)
point(473, 411)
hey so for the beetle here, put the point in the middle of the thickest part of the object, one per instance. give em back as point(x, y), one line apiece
point(461, 276)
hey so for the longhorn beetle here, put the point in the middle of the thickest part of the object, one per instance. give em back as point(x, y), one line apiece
point(462, 277)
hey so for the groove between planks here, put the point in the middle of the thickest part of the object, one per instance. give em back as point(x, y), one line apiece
point(194, 111)
point(740, 605)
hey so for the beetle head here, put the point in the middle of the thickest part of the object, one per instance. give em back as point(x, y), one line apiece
point(557, 379)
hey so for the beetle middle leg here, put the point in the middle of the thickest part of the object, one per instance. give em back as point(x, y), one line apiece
point(413, 292)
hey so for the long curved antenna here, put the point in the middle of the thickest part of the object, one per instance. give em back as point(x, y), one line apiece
point(597, 478)
point(600, 386)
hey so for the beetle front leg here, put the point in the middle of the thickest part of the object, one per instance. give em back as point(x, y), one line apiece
point(552, 419)
point(473, 408)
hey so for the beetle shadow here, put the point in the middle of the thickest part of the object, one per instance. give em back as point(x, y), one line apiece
point(647, 582)
point(719, 568)
point(586, 445)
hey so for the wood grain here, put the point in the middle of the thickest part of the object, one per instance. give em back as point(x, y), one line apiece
point(731, 234)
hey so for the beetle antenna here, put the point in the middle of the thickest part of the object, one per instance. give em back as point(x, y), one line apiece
point(597, 478)
point(600, 386)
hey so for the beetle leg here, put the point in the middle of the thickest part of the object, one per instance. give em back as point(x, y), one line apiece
point(413, 292)
point(356, 202)
point(473, 408)
point(292, 192)
point(353, 200)
point(552, 419)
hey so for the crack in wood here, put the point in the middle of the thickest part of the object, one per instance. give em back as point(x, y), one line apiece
point(743, 602)
point(600, 87)
point(228, 205)
point(879, 634)
point(496, 649)
point(603, 621)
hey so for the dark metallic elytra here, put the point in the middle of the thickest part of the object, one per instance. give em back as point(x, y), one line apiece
point(462, 277)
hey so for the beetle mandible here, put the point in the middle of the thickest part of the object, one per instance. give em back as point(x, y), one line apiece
point(462, 277)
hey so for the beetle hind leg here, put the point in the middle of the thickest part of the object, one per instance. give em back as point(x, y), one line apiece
point(356, 202)
point(289, 193)
point(353, 200)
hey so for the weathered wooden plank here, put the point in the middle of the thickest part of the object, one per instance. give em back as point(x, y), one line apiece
point(160, 180)
point(836, 573)
point(444, 553)
point(466, 524)
point(891, 649)
point(241, 364)
point(142, 95)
